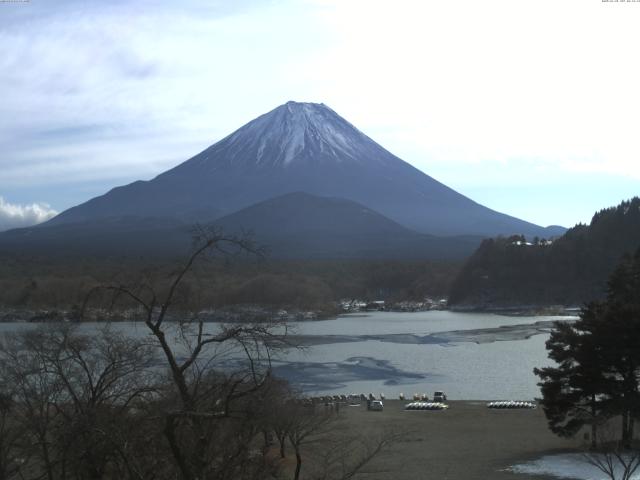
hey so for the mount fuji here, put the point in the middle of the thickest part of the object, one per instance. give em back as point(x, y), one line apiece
point(301, 147)
point(307, 181)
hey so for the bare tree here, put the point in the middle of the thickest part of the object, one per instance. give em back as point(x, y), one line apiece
point(318, 436)
point(615, 458)
point(11, 435)
point(615, 463)
point(34, 395)
point(210, 400)
point(189, 400)
point(304, 424)
point(344, 456)
point(71, 396)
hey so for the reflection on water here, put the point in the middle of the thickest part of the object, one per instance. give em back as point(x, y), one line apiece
point(468, 355)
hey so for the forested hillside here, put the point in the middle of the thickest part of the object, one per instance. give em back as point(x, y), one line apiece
point(38, 283)
point(566, 271)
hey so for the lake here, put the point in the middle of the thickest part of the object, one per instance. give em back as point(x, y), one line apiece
point(471, 356)
point(468, 355)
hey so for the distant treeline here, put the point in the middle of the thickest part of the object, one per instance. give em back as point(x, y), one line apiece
point(570, 270)
point(62, 284)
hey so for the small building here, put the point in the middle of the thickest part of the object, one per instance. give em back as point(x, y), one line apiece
point(376, 305)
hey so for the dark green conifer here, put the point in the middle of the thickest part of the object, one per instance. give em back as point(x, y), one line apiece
point(598, 361)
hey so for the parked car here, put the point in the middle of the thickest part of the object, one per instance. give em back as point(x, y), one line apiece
point(375, 405)
point(439, 397)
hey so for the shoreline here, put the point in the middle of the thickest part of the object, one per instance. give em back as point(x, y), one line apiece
point(520, 310)
point(243, 313)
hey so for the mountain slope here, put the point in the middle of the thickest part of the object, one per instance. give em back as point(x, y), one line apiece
point(299, 225)
point(292, 226)
point(128, 236)
point(300, 147)
point(572, 270)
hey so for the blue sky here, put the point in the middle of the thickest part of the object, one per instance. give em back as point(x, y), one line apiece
point(530, 108)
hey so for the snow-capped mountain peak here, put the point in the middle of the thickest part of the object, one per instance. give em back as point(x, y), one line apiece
point(294, 133)
point(299, 147)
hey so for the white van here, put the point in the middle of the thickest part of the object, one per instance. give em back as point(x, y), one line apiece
point(439, 397)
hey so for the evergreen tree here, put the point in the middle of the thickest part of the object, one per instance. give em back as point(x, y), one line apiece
point(620, 333)
point(571, 391)
point(598, 361)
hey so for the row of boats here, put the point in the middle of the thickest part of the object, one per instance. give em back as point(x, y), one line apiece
point(426, 406)
point(511, 404)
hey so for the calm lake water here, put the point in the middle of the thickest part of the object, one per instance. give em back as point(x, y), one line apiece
point(470, 356)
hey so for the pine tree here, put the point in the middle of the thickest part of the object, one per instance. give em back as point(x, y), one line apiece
point(598, 361)
point(620, 332)
point(571, 391)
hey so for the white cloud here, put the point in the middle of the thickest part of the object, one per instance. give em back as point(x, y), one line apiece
point(15, 216)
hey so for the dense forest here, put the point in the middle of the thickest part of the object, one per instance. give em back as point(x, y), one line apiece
point(38, 283)
point(569, 270)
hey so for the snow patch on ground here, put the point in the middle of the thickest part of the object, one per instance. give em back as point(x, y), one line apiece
point(572, 466)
